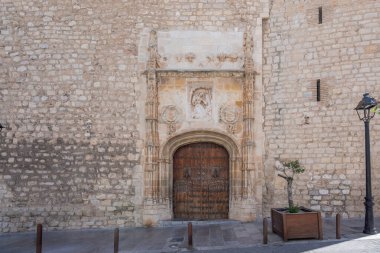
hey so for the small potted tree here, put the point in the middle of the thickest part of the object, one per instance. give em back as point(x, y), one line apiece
point(294, 222)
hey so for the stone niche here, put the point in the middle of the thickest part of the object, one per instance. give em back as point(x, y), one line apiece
point(200, 87)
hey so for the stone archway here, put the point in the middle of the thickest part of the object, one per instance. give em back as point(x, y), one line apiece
point(169, 149)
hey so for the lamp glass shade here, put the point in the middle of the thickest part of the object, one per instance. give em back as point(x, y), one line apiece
point(367, 102)
point(363, 109)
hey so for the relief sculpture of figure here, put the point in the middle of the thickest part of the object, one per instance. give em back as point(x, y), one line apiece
point(201, 103)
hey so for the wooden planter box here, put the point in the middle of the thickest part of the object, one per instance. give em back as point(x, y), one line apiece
point(305, 224)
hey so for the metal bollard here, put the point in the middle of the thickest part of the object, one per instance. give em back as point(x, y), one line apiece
point(116, 240)
point(337, 226)
point(265, 231)
point(190, 234)
point(39, 239)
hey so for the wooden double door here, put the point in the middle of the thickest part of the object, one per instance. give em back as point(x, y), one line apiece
point(201, 182)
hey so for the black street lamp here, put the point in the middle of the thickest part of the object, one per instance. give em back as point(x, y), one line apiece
point(366, 113)
point(1, 127)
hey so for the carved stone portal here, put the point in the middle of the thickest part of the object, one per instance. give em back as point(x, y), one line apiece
point(197, 93)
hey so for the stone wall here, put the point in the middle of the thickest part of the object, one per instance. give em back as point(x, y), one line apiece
point(73, 99)
point(327, 136)
point(73, 92)
point(70, 153)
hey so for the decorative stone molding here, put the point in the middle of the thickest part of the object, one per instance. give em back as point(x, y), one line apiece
point(200, 73)
point(170, 115)
point(152, 138)
point(229, 115)
point(248, 118)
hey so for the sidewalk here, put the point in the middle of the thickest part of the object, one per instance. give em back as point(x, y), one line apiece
point(206, 236)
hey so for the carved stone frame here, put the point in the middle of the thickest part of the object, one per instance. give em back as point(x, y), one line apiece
point(245, 182)
point(168, 150)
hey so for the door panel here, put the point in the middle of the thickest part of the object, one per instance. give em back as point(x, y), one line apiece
point(201, 182)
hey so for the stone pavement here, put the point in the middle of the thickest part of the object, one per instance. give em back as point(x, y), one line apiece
point(223, 236)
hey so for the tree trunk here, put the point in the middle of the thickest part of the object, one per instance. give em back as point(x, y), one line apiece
point(290, 192)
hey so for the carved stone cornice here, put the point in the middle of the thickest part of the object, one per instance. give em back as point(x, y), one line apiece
point(200, 73)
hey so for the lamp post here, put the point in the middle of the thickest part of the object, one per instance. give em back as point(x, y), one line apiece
point(364, 112)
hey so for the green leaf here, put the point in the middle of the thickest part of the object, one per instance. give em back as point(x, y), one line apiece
point(293, 209)
point(294, 166)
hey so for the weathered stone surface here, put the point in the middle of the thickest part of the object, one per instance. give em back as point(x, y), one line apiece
point(74, 83)
point(191, 50)
point(330, 143)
